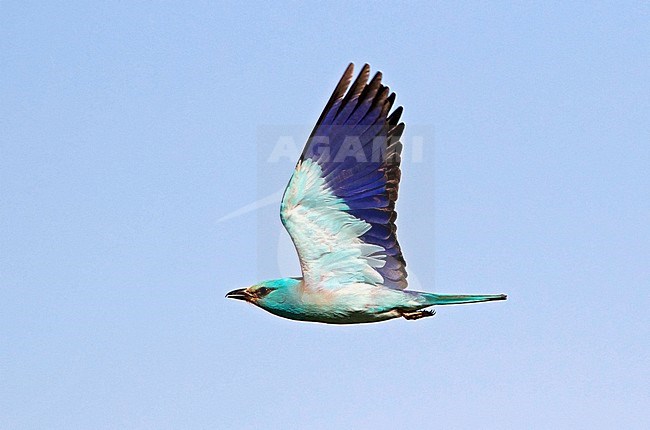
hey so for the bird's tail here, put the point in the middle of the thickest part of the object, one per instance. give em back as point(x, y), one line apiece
point(440, 299)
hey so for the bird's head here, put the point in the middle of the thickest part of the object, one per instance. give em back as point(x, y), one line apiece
point(267, 294)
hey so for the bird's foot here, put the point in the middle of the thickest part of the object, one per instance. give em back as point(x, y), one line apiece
point(418, 314)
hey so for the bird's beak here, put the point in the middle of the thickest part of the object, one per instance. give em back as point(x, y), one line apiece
point(239, 294)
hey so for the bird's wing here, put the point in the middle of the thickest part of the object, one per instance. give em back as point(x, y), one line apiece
point(339, 206)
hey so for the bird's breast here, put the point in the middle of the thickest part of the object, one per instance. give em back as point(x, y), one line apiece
point(352, 298)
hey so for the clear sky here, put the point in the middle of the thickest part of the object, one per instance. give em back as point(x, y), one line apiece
point(128, 130)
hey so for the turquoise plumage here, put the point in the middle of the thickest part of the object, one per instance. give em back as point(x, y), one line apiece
point(339, 209)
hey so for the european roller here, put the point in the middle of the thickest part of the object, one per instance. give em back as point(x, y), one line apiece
point(339, 209)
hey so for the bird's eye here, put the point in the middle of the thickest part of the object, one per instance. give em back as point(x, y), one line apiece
point(263, 291)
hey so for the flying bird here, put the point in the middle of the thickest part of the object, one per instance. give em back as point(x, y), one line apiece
point(339, 209)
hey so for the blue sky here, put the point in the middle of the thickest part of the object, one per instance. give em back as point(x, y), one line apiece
point(129, 129)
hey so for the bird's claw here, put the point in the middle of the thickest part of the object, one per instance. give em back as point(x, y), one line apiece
point(418, 314)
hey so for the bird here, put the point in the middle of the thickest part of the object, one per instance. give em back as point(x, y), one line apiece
point(339, 209)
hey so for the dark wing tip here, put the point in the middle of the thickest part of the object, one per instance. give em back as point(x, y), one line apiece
point(339, 92)
point(376, 79)
point(394, 117)
point(352, 94)
point(344, 82)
